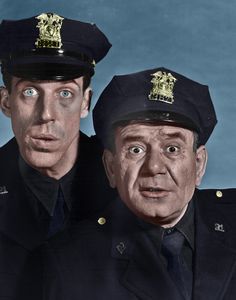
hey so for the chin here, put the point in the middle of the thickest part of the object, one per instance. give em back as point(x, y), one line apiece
point(38, 160)
point(155, 212)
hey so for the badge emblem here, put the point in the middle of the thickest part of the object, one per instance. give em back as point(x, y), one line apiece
point(49, 31)
point(163, 85)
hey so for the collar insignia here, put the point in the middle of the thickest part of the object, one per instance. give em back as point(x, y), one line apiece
point(3, 190)
point(121, 247)
point(49, 31)
point(219, 227)
point(163, 85)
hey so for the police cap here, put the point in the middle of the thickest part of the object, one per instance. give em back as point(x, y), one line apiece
point(155, 95)
point(50, 47)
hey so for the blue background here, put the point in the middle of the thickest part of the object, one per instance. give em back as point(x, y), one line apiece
point(194, 37)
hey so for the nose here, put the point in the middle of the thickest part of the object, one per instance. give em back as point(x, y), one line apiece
point(46, 109)
point(154, 164)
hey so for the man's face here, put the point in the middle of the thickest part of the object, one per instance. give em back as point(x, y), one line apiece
point(155, 170)
point(45, 118)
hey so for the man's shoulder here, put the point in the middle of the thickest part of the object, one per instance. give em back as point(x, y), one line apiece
point(217, 206)
point(217, 196)
point(90, 147)
point(84, 138)
point(9, 174)
point(8, 155)
point(11, 145)
point(8, 158)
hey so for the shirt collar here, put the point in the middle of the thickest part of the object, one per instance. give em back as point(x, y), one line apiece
point(45, 188)
point(185, 226)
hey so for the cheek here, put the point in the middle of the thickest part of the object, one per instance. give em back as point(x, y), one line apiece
point(120, 171)
point(21, 121)
point(187, 177)
point(22, 113)
point(70, 123)
point(126, 175)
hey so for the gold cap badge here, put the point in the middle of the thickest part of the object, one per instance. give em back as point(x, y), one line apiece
point(163, 85)
point(49, 31)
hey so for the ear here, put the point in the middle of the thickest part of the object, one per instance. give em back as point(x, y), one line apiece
point(108, 162)
point(4, 101)
point(201, 162)
point(86, 102)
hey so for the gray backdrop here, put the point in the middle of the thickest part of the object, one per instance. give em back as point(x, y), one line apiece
point(194, 37)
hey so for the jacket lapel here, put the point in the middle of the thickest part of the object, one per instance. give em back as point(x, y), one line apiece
point(215, 261)
point(18, 221)
point(144, 275)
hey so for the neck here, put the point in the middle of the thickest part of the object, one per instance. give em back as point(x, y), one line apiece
point(169, 222)
point(176, 220)
point(62, 167)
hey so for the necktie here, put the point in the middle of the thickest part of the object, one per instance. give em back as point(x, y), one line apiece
point(58, 217)
point(171, 248)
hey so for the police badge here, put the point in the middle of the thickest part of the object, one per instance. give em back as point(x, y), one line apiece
point(163, 85)
point(49, 31)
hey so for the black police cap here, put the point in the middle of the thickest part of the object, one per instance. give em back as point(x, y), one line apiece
point(155, 95)
point(49, 46)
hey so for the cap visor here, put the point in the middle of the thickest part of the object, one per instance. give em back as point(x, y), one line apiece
point(49, 68)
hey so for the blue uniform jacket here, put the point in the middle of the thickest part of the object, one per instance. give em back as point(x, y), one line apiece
point(117, 260)
point(23, 229)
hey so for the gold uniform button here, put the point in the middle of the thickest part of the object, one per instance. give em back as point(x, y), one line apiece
point(101, 221)
point(219, 194)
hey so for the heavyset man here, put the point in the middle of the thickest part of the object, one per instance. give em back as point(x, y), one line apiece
point(163, 239)
point(49, 170)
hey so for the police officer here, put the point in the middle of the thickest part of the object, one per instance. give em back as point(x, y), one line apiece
point(163, 239)
point(49, 171)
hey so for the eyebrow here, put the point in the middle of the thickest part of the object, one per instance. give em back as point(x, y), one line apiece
point(173, 135)
point(133, 138)
point(22, 80)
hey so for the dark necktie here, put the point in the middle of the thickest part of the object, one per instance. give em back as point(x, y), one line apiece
point(171, 248)
point(58, 217)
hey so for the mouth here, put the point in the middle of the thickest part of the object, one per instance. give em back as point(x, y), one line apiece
point(44, 141)
point(153, 192)
point(45, 137)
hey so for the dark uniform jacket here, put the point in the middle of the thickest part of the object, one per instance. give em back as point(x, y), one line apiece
point(117, 260)
point(24, 222)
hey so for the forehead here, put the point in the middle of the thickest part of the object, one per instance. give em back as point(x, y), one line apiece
point(152, 132)
point(17, 82)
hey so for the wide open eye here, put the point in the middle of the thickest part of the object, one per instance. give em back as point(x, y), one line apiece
point(172, 149)
point(65, 94)
point(136, 150)
point(30, 92)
